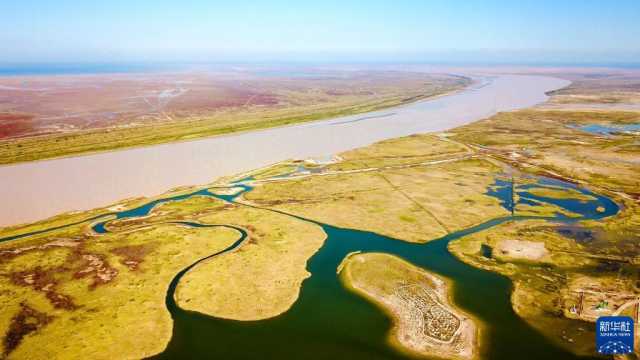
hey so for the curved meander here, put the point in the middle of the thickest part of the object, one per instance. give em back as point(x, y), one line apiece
point(170, 298)
point(328, 321)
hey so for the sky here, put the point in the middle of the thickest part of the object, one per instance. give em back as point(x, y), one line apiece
point(323, 30)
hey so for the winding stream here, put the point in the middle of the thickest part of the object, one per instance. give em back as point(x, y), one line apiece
point(327, 321)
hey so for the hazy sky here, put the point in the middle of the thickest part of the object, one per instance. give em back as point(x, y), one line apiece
point(199, 30)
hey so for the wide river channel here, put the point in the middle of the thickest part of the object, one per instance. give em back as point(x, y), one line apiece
point(37, 190)
point(327, 321)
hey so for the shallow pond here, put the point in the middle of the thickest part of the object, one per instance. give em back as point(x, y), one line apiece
point(608, 130)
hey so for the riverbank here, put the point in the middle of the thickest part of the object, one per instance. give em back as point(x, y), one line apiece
point(129, 110)
point(84, 142)
point(380, 174)
point(424, 192)
point(87, 182)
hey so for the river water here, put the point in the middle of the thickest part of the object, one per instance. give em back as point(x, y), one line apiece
point(327, 321)
point(37, 190)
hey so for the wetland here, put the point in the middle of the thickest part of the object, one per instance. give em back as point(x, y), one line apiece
point(474, 243)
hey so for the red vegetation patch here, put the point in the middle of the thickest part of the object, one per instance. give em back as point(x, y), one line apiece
point(335, 92)
point(97, 267)
point(132, 255)
point(11, 253)
point(285, 201)
point(25, 322)
point(263, 99)
point(81, 262)
point(60, 104)
point(13, 125)
point(213, 99)
point(253, 235)
point(43, 281)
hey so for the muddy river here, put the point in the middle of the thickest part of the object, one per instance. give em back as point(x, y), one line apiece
point(37, 190)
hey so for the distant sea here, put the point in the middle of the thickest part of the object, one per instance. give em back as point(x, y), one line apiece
point(17, 69)
point(81, 68)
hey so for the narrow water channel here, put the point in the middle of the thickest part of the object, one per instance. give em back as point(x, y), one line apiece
point(327, 321)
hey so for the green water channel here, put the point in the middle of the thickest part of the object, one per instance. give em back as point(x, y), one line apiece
point(329, 322)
